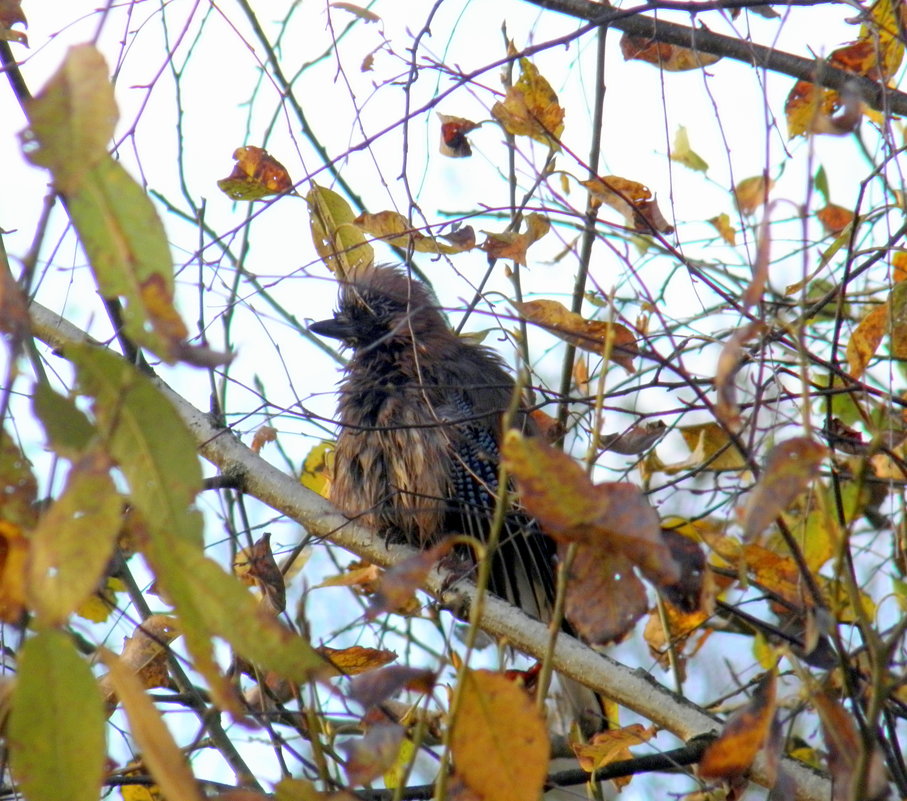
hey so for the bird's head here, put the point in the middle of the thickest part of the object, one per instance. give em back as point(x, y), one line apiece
point(382, 306)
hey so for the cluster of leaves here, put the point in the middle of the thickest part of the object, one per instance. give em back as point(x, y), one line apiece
point(779, 517)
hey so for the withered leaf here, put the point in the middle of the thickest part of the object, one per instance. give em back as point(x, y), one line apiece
point(398, 585)
point(789, 469)
point(731, 755)
point(531, 108)
point(589, 335)
point(370, 756)
point(378, 686)
point(256, 567)
point(357, 659)
point(256, 174)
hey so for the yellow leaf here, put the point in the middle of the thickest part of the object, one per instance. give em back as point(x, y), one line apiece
point(530, 108)
point(684, 154)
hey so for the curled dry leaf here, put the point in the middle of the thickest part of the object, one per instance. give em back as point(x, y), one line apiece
point(731, 755)
point(256, 174)
point(531, 108)
point(397, 587)
point(729, 362)
point(635, 440)
point(363, 13)
point(256, 567)
point(369, 757)
point(632, 199)
point(589, 335)
point(381, 685)
point(357, 659)
point(454, 143)
point(789, 469)
point(511, 245)
point(393, 228)
point(666, 56)
point(846, 750)
point(263, 435)
point(612, 746)
point(11, 14)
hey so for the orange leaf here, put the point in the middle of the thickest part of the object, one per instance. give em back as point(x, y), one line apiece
point(731, 755)
point(630, 198)
point(866, 338)
point(357, 659)
point(834, 218)
point(611, 746)
point(498, 740)
point(511, 245)
point(255, 175)
point(667, 56)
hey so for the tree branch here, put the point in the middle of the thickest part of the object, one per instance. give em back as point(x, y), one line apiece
point(633, 22)
point(635, 689)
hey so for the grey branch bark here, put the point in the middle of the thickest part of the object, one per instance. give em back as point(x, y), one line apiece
point(633, 22)
point(635, 689)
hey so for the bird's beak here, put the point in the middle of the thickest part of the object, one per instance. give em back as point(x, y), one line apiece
point(334, 328)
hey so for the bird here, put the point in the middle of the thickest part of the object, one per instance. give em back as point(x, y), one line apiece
point(421, 416)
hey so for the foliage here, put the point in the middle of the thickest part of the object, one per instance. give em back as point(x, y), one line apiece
point(698, 268)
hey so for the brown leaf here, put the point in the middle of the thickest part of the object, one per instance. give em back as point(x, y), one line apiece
point(511, 245)
point(263, 435)
point(398, 585)
point(11, 14)
point(729, 362)
point(604, 596)
point(256, 174)
point(589, 335)
point(378, 686)
point(370, 756)
point(632, 199)
point(731, 755)
point(498, 740)
point(789, 469)
point(666, 56)
point(454, 143)
point(256, 567)
point(687, 593)
point(363, 13)
point(613, 516)
point(634, 440)
point(845, 751)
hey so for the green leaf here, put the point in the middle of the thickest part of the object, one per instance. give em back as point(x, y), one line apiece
point(210, 601)
point(56, 724)
point(67, 428)
point(341, 245)
point(146, 437)
point(821, 183)
point(127, 247)
point(73, 540)
point(72, 119)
